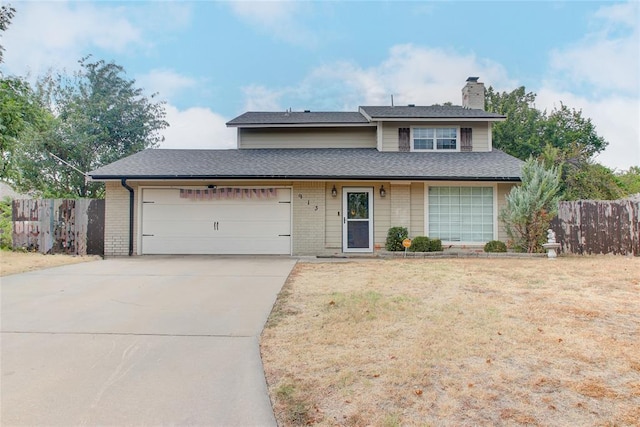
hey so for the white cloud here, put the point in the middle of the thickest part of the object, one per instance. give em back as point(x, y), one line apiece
point(408, 73)
point(165, 82)
point(600, 74)
point(44, 35)
point(278, 18)
point(197, 128)
point(261, 98)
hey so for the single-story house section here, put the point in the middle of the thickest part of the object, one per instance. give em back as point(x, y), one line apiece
point(317, 183)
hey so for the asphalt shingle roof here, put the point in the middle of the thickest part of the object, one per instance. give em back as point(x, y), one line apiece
point(428, 112)
point(296, 117)
point(284, 118)
point(331, 163)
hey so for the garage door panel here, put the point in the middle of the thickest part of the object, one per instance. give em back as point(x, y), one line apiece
point(171, 225)
point(230, 246)
point(224, 228)
point(211, 212)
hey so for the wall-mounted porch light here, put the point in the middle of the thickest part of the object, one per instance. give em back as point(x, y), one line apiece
point(334, 192)
point(383, 192)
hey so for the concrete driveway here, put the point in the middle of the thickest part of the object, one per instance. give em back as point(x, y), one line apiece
point(144, 341)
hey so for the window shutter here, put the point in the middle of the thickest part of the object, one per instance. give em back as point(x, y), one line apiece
point(465, 139)
point(404, 143)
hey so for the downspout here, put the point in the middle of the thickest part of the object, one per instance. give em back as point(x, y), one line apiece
point(123, 181)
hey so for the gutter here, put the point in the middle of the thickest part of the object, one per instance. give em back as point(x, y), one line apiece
point(123, 181)
point(308, 178)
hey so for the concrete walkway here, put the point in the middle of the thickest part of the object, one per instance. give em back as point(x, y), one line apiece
point(144, 341)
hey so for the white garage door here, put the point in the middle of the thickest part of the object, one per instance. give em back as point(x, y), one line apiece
point(175, 225)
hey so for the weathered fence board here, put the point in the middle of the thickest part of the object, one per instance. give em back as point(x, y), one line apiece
point(59, 226)
point(598, 227)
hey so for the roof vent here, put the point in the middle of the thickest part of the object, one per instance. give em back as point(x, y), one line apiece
point(307, 111)
point(411, 105)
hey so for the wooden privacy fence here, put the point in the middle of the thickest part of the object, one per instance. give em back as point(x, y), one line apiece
point(55, 226)
point(598, 227)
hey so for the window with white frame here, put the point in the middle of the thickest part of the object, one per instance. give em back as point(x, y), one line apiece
point(461, 214)
point(430, 139)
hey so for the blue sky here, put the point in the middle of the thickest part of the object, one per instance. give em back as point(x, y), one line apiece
point(212, 61)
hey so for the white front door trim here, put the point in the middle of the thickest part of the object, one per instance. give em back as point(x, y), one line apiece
point(347, 238)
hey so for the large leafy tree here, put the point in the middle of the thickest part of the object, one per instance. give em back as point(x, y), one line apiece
point(21, 114)
point(100, 116)
point(527, 130)
point(521, 134)
point(562, 138)
point(582, 178)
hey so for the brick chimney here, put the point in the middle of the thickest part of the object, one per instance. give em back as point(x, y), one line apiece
point(473, 94)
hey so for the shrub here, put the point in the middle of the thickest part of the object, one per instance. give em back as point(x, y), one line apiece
point(395, 236)
point(436, 245)
point(6, 225)
point(420, 244)
point(425, 244)
point(495, 246)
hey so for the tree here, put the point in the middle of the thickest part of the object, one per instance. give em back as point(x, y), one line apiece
point(531, 206)
point(563, 138)
point(581, 178)
point(520, 134)
point(100, 117)
point(630, 180)
point(6, 15)
point(21, 112)
point(567, 130)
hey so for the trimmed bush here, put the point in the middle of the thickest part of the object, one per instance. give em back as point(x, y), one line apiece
point(436, 245)
point(425, 244)
point(420, 244)
point(395, 236)
point(495, 246)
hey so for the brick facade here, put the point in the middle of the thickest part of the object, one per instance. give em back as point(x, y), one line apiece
point(116, 226)
point(308, 221)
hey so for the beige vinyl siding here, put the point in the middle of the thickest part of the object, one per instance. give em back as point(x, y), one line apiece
point(503, 190)
point(400, 198)
point(479, 134)
point(417, 210)
point(330, 137)
point(333, 214)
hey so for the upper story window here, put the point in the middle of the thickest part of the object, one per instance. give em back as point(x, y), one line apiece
point(432, 139)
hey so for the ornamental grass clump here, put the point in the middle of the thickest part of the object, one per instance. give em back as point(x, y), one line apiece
point(531, 206)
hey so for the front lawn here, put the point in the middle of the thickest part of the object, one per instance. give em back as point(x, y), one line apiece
point(457, 342)
point(21, 262)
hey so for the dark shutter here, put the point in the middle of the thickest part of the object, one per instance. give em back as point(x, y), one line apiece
point(465, 139)
point(404, 136)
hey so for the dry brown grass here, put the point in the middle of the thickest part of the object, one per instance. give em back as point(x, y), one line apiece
point(20, 262)
point(457, 342)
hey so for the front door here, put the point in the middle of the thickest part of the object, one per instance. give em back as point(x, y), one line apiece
point(357, 219)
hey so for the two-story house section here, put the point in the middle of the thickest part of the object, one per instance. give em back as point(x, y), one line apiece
point(317, 183)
